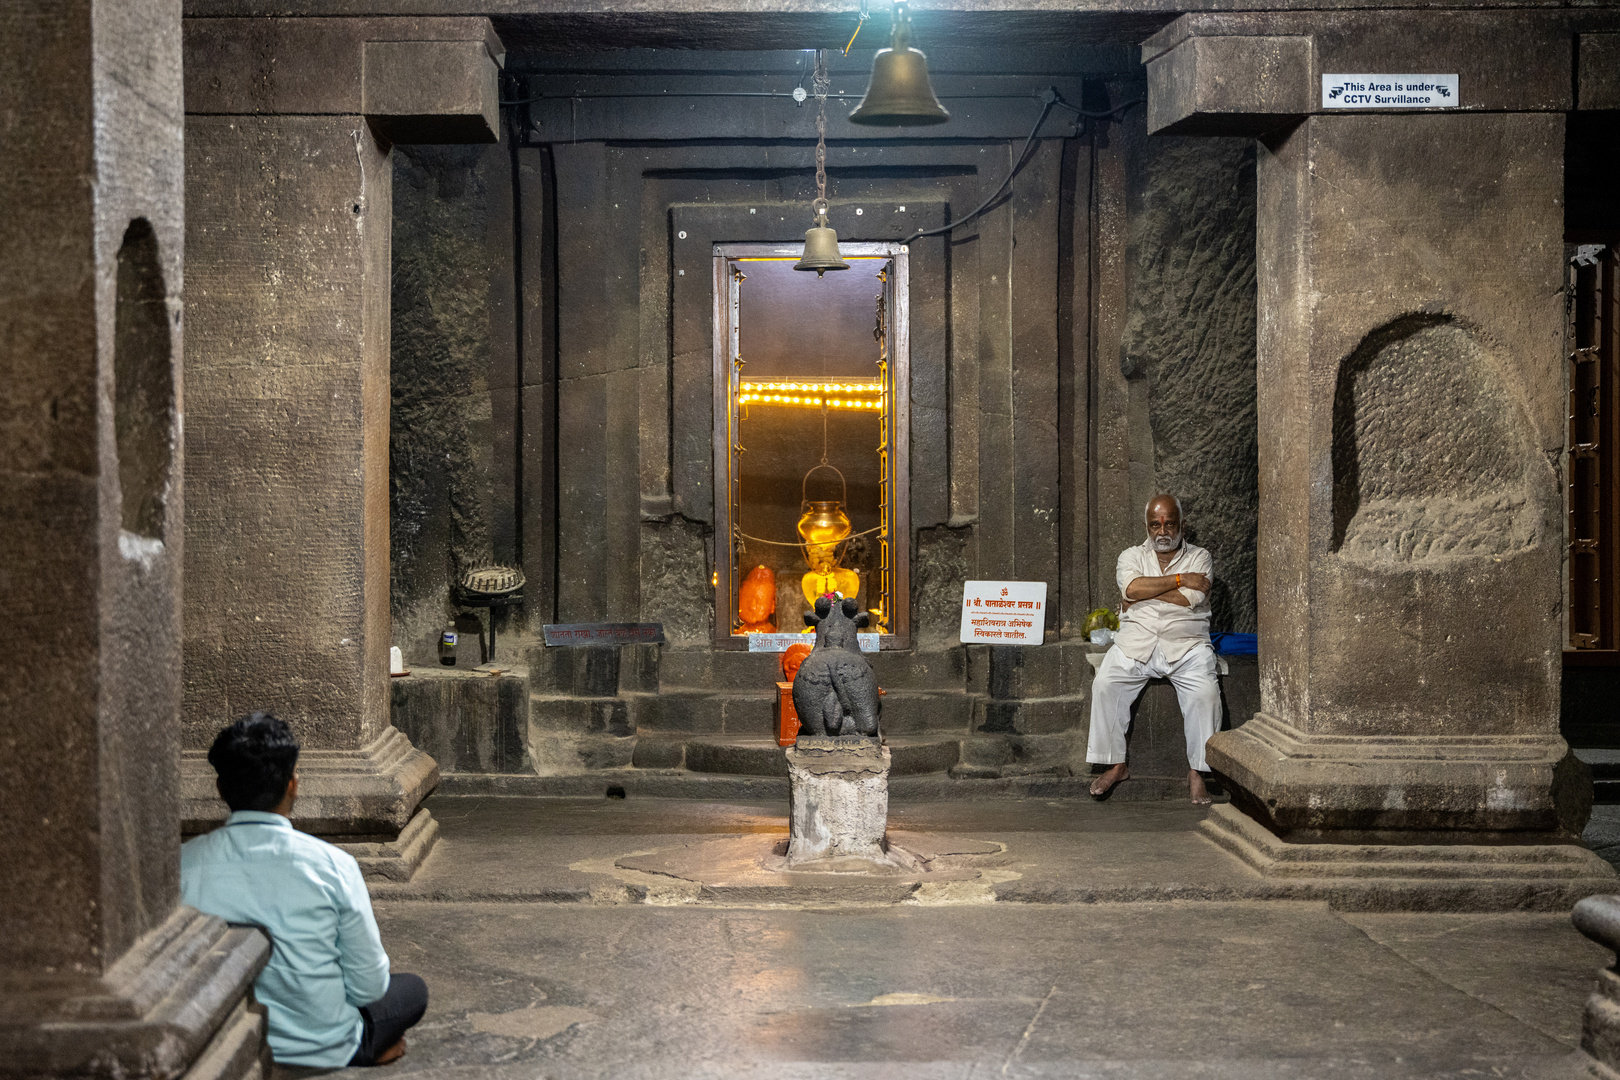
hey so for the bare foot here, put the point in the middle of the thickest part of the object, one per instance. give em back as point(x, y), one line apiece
point(392, 1054)
point(1195, 786)
point(1102, 785)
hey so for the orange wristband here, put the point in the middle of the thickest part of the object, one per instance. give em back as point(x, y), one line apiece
point(1178, 581)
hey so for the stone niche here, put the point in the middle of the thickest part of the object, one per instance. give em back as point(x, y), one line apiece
point(1429, 451)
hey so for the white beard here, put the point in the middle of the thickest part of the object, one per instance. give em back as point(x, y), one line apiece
point(1166, 543)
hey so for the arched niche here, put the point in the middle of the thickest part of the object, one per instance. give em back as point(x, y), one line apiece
point(143, 385)
point(1430, 451)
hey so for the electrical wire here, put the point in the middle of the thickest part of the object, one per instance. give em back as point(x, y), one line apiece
point(1050, 100)
point(765, 94)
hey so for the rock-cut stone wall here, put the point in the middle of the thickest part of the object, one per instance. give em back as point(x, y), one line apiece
point(1190, 333)
point(451, 249)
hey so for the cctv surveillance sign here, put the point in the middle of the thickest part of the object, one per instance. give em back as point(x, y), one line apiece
point(1389, 91)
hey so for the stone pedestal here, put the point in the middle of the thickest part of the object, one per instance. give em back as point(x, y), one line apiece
point(839, 801)
point(1411, 422)
point(1598, 917)
point(101, 971)
point(289, 185)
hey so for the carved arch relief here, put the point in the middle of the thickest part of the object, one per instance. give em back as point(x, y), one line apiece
point(1430, 453)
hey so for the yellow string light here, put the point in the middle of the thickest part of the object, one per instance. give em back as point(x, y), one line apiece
point(814, 395)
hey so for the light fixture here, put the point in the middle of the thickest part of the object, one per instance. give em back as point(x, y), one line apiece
point(899, 94)
point(820, 241)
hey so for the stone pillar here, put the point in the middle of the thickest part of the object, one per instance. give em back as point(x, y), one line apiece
point(839, 795)
point(289, 128)
point(1411, 421)
point(101, 971)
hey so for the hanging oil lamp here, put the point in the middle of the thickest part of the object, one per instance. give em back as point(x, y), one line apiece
point(823, 525)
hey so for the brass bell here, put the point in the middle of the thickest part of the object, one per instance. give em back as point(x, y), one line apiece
point(821, 248)
point(899, 94)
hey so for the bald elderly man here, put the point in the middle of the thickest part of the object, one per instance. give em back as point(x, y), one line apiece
point(1163, 634)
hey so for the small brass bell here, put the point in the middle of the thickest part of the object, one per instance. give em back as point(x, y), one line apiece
point(821, 248)
point(899, 94)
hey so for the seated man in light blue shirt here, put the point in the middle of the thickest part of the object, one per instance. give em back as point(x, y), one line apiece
point(330, 999)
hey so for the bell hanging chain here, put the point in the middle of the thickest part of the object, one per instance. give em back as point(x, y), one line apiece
point(822, 82)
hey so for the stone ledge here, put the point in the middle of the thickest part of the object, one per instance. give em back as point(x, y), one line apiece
point(1414, 877)
point(368, 792)
point(680, 784)
point(466, 720)
point(162, 1007)
point(400, 858)
point(239, 1051)
point(638, 783)
point(1307, 786)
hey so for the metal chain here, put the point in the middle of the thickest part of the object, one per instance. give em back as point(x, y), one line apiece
point(822, 82)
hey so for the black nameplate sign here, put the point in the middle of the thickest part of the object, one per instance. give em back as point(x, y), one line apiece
point(604, 633)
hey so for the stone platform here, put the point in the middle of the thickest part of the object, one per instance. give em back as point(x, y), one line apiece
point(1026, 851)
point(592, 719)
point(598, 959)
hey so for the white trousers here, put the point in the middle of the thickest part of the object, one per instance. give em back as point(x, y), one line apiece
point(1120, 679)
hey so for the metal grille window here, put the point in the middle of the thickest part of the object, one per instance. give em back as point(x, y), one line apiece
point(1594, 453)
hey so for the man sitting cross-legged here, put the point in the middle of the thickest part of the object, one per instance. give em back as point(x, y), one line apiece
point(1163, 633)
point(330, 999)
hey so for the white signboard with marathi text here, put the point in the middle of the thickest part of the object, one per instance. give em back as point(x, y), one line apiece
point(1003, 612)
point(1389, 91)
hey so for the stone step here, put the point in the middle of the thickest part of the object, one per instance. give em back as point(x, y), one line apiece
point(733, 755)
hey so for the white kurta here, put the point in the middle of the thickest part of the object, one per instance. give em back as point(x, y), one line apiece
point(1150, 624)
point(1157, 639)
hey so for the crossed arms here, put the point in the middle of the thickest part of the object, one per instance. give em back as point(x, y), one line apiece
point(1166, 588)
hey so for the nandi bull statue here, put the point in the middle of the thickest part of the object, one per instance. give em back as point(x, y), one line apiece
point(835, 691)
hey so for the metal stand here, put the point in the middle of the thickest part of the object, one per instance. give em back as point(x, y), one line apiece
point(468, 599)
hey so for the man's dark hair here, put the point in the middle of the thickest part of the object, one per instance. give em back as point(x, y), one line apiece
point(254, 758)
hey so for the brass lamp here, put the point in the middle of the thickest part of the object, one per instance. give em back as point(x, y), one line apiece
point(899, 94)
point(822, 527)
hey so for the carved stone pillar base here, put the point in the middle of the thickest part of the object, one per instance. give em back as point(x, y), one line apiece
point(1598, 917)
point(367, 801)
point(1395, 789)
point(1415, 876)
point(174, 1005)
point(397, 859)
point(365, 794)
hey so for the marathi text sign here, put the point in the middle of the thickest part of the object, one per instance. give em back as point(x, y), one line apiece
point(1004, 612)
point(1389, 91)
point(604, 633)
point(780, 642)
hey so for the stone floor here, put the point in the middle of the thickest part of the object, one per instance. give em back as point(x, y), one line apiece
point(548, 959)
point(1603, 832)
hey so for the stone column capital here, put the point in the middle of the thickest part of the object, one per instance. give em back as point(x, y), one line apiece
point(417, 80)
point(1254, 73)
